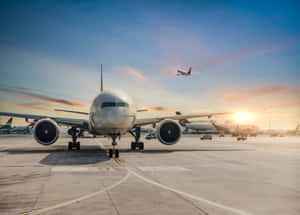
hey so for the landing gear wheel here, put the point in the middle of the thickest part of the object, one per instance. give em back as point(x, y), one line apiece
point(70, 146)
point(133, 146)
point(78, 145)
point(141, 146)
point(117, 153)
point(110, 153)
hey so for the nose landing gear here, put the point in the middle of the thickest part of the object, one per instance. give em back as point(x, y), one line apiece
point(113, 151)
point(73, 144)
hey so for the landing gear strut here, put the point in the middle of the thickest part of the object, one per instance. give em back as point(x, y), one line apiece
point(73, 144)
point(113, 151)
point(136, 134)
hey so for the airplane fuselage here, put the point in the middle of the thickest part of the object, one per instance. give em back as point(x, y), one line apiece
point(112, 113)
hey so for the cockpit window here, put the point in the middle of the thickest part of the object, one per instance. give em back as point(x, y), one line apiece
point(114, 104)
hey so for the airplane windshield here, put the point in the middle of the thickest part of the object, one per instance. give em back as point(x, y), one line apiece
point(114, 104)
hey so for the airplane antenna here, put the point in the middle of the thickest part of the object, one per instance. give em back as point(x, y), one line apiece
point(101, 84)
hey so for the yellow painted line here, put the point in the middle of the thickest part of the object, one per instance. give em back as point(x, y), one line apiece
point(108, 169)
point(118, 161)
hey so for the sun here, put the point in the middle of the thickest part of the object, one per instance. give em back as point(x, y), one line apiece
point(242, 117)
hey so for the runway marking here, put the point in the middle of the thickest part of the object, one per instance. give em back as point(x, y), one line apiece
point(224, 207)
point(64, 204)
point(109, 168)
point(163, 168)
point(74, 169)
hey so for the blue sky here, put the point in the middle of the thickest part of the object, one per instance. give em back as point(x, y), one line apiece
point(244, 54)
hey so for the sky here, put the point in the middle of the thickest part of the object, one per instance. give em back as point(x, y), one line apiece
point(245, 56)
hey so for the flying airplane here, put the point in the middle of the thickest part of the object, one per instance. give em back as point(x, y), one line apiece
point(112, 113)
point(6, 127)
point(180, 72)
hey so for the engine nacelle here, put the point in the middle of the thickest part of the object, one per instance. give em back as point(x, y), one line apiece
point(168, 132)
point(46, 131)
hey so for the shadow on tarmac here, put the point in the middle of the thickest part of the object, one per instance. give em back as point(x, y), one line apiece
point(91, 154)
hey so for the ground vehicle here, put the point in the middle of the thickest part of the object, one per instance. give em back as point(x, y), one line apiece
point(206, 137)
point(151, 136)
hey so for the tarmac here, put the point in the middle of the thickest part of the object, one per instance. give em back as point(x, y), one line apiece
point(223, 176)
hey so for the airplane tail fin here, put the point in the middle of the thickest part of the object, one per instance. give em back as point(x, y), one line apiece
point(32, 123)
point(9, 121)
point(182, 122)
point(190, 71)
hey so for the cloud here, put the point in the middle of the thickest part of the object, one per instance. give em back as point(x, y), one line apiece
point(139, 79)
point(46, 99)
point(241, 95)
point(34, 106)
point(156, 109)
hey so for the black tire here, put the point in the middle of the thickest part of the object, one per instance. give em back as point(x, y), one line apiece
point(141, 146)
point(78, 145)
point(70, 146)
point(133, 146)
point(110, 153)
point(117, 153)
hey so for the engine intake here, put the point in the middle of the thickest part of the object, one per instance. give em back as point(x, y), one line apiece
point(46, 132)
point(168, 132)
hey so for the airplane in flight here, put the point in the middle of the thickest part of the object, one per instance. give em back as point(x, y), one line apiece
point(183, 73)
point(6, 127)
point(112, 113)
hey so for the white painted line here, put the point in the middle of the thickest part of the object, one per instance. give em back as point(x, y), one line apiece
point(163, 168)
point(64, 204)
point(74, 169)
point(233, 210)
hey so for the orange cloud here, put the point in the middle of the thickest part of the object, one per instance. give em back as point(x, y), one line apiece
point(43, 98)
point(33, 106)
point(139, 79)
point(240, 95)
point(156, 109)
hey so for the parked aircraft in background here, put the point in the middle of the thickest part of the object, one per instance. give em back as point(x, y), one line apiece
point(199, 126)
point(23, 129)
point(112, 114)
point(237, 130)
point(181, 72)
point(4, 129)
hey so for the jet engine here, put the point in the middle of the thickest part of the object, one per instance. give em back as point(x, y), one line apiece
point(168, 132)
point(46, 131)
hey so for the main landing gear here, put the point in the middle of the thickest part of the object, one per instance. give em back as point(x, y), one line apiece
point(113, 151)
point(136, 134)
point(74, 132)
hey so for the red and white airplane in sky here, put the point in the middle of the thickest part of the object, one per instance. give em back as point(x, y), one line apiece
point(180, 72)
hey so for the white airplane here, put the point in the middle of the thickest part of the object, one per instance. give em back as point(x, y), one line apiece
point(200, 126)
point(111, 114)
point(23, 129)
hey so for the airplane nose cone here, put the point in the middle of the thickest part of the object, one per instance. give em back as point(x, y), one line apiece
point(117, 118)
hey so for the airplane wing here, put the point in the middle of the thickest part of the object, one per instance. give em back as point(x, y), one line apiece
point(79, 123)
point(148, 121)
